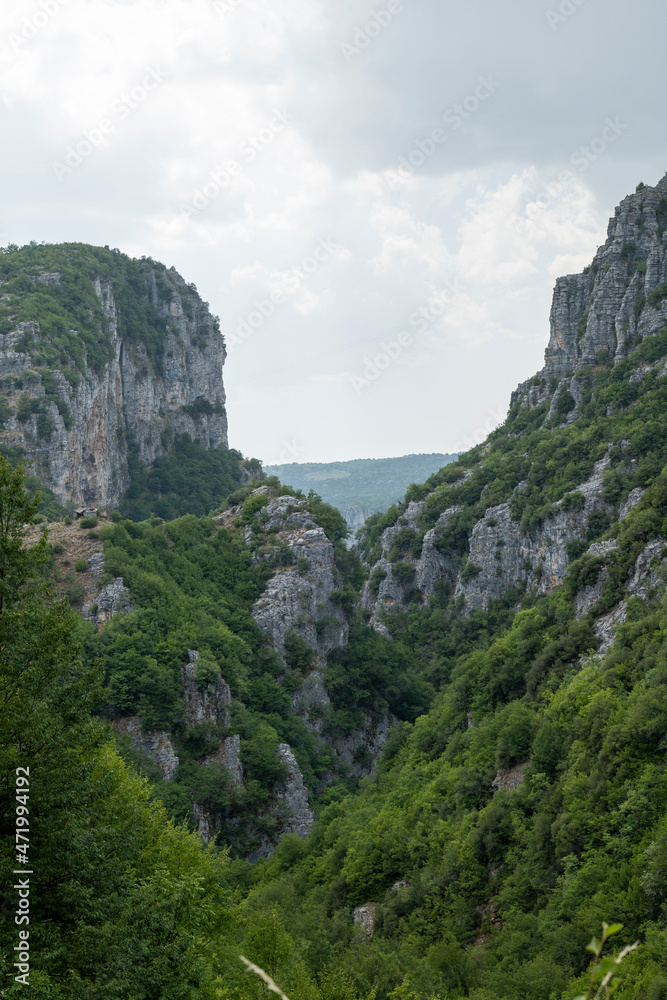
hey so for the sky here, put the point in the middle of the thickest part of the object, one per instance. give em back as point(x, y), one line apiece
point(374, 196)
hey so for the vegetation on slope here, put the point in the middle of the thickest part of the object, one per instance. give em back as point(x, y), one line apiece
point(519, 801)
point(370, 483)
point(53, 286)
point(489, 891)
point(550, 461)
point(124, 903)
point(189, 479)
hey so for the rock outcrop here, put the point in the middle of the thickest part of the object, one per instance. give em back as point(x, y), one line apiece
point(647, 579)
point(112, 600)
point(204, 700)
point(156, 744)
point(616, 300)
point(297, 598)
point(91, 421)
point(505, 556)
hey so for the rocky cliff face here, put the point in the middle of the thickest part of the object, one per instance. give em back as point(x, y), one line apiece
point(618, 299)
point(79, 427)
point(597, 318)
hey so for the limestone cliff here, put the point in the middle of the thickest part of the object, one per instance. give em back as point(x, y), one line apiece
point(499, 534)
point(85, 391)
point(618, 300)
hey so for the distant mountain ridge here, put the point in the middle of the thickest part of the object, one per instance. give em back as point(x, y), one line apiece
point(363, 486)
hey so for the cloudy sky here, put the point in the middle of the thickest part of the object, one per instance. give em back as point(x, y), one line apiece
point(375, 196)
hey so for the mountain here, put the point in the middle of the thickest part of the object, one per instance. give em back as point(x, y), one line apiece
point(107, 364)
point(437, 759)
point(360, 487)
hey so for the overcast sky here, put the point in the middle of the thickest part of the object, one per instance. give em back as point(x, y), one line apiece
point(357, 187)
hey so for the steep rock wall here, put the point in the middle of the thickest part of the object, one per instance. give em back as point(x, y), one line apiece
point(130, 404)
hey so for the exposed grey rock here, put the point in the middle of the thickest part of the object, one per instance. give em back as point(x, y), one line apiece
point(605, 627)
point(298, 601)
point(648, 574)
point(49, 278)
point(227, 754)
point(370, 737)
point(364, 916)
point(647, 579)
point(356, 516)
point(290, 804)
point(203, 823)
point(589, 596)
point(155, 744)
point(380, 627)
point(428, 568)
point(602, 548)
point(509, 778)
point(112, 600)
point(207, 702)
point(506, 556)
point(311, 701)
point(633, 498)
point(606, 307)
point(433, 567)
point(295, 795)
point(96, 564)
point(88, 462)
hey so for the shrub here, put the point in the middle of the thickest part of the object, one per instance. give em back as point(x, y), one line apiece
point(206, 672)
point(566, 403)
point(404, 573)
point(377, 576)
point(81, 565)
point(27, 406)
point(252, 506)
point(298, 653)
point(88, 522)
point(58, 548)
point(469, 572)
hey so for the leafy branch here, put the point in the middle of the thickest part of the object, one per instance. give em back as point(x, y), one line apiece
point(603, 969)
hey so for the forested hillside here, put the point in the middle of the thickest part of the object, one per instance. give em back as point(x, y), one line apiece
point(363, 486)
point(426, 768)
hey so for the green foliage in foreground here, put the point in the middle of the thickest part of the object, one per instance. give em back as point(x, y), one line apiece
point(123, 902)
